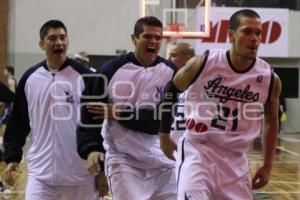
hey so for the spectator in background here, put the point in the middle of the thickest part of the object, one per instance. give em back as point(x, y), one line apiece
point(83, 58)
point(10, 80)
point(5, 108)
point(282, 112)
point(6, 96)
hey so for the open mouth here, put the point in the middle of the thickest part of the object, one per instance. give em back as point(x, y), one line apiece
point(150, 49)
point(58, 51)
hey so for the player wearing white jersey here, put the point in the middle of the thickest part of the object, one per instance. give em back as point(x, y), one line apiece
point(179, 54)
point(136, 167)
point(227, 93)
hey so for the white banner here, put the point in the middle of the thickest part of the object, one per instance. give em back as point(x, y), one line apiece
point(274, 32)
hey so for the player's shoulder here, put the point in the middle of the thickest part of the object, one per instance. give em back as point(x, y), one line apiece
point(115, 63)
point(78, 67)
point(160, 60)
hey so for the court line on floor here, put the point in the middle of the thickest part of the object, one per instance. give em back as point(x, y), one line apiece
point(277, 192)
point(12, 193)
point(287, 151)
point(252, 161)
point(286, 182)
point(290, 139)
point(23, 192)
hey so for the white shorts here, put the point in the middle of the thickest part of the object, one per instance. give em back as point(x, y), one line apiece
point(206, 172)
point(129, 183)
point(36, 190)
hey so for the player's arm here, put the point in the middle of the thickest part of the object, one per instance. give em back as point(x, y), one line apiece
point(18, 127)
point(181, 81)
point(141, 120)
point(88, 130)
point(88, 137)
point(15, 133)
point(269, 140)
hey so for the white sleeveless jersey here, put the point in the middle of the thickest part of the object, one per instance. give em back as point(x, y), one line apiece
point(224, 106)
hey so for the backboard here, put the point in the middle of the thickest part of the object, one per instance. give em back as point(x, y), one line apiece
point(181, 18)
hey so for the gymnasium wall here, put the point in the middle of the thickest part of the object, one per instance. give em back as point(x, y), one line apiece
point(3, 33)
point(96, 26)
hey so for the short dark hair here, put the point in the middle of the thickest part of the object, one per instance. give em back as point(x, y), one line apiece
point(235, 19)
point(51, 24)
point(10, 69)
point(148, 21)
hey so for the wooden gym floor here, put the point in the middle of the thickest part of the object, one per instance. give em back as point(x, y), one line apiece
point(285, 177)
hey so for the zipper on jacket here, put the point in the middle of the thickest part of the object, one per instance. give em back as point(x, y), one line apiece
point(53, 77)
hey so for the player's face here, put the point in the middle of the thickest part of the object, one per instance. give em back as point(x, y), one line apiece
point(177, 57)
point(55, 45)
point(147, 44)
point(5, 73)
point(246, 39)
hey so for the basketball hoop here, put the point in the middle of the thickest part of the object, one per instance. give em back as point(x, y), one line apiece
point(176, 35)
point(176, 30)
point(175, 27)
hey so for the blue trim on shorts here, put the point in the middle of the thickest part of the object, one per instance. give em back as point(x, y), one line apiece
point(182, 160)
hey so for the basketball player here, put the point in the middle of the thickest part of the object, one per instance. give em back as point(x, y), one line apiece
point(136, 167)
point(45, 104)
point(227, 94)
point(179, 54)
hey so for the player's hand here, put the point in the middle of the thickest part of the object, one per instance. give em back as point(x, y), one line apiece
point(167, 145)
point(93, 162)
point(103, 111)
point(261, 177)
point(7, 177)
point(101, 184)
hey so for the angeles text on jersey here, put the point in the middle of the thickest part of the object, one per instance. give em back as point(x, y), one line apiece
point(214, 88)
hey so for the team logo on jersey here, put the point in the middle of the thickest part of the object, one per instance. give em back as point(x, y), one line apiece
point(259, 78)
point(159, 92)
point(215, 89)
point(197, 127)
point(69, 98)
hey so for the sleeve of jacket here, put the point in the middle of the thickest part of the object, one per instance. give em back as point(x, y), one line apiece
point(142, 120)
point(18, 126)
point(88, 130)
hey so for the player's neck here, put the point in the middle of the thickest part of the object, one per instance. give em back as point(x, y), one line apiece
point(54, 65)
point(142, 61)
point(239, 63)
